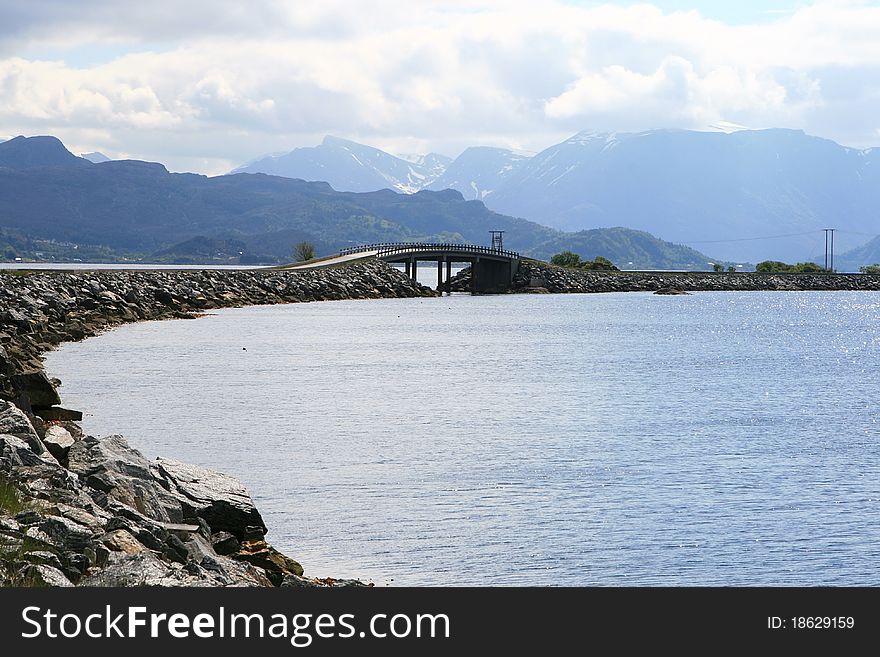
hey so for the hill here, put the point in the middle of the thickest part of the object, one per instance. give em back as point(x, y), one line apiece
point(65, 207)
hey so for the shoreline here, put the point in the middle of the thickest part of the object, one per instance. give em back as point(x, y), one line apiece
point(96, 513)
point(80, 510)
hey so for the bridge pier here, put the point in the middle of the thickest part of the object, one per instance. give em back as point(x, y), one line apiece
point(439, 273)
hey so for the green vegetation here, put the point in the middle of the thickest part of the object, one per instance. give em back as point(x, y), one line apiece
point(303, 251)
point(776, 267)
point(10, 498)
point(573, 261)
point(870, 269)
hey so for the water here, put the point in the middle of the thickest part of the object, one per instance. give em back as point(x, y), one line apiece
point(616, 439)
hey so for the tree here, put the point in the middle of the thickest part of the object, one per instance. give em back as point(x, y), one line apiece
point(731, 269)
point(870, 269)
point(566, 259)
point(303, 251)
point(717, 268)
point(599, 264)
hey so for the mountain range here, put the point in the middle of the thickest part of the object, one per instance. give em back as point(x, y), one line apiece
point(57, 206)
point(746, 195)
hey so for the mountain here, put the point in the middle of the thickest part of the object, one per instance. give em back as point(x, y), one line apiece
point(746, 195)
point(479, 171)
point(95, 158)
point(349, 166)
point(32, 152)
point(735, 191)
point(138, 210)
point(867, 254)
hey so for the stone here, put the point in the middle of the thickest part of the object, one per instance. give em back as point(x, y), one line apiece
point(15, 422)
point(218, 498)
point(58, 441)
point(65, 533)
point(36, 388)
point(671, 291)
point(120, 540)
point(58, 414)
point(16, 452)
point(43, 557)
point(225, 543)
point(111, 466)
point(261, 554)
point(42, 575)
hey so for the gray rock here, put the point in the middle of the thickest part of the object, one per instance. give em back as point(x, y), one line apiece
point(42, 575)
point(15, 422)
point(66, 534)
point(58, 441)
point(218, 498)
point(36, 388)
point(16, 452)
point(112, 467)
point(225, 543)
point(43, 557)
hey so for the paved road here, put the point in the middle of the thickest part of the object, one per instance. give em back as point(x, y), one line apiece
point(335, 260)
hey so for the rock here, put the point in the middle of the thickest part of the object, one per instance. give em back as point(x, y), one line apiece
point(225, 543)
point(15, 422)
point(57, 414)
point(65, 533)
point(58, 441)
point(36, 389)
point(16, 452)
point(671, 291)
point(120, 540)
point(112, 467)
point(43, 557)
point(42, 575)
point(218, 498)
point(277, 565)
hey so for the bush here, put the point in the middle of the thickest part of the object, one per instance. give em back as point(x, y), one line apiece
point(777, 267)
point(870, 269)
point(566, 259)
point(573, 260)
point(304, 251)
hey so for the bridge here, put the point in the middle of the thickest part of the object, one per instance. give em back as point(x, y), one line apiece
point(492, 268)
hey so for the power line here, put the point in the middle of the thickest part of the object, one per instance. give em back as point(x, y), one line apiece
point(752, 239)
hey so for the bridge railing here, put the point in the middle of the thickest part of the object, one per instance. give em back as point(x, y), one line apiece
point(391, 248)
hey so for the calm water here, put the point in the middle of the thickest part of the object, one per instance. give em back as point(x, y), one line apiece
point(617, 439)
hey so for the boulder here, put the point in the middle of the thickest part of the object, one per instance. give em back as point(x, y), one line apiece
point(43, 575)
point(58, 441)
point(16, 452)
point(15, 422)
point(120, 540)
point(671, 291)
point(36, 389)
point(111, 466)
point(261, 554)
point(218, 498)
point(58, 414)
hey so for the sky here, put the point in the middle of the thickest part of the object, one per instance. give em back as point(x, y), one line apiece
point(206, 85)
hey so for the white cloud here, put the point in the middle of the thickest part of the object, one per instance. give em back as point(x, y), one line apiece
point(208, 84)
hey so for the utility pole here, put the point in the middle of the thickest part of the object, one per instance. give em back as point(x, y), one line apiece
point(827, 250)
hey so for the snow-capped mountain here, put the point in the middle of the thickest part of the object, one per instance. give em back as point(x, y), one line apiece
point(351, 167)
point(744, 195)
point(479, 171)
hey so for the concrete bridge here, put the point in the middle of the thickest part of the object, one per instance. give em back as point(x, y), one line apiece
point(492, 269)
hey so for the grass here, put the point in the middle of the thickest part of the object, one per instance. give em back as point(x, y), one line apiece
point(10, 498)
point(17, 272)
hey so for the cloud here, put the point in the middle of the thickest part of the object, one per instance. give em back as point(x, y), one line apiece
point(206, 85)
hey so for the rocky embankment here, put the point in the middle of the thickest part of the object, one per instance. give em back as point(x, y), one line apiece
point(536, 276)
point(81, 510)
